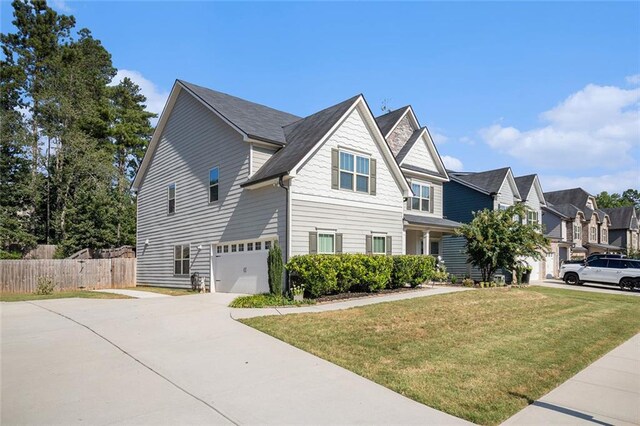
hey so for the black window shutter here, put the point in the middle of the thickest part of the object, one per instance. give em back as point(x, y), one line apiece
point(313, 242)
point(335, 171)
point(368, 244)
point(338, 243)
point(373, 177)
point(388, 244)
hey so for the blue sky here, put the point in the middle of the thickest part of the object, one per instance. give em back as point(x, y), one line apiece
point(547, 88)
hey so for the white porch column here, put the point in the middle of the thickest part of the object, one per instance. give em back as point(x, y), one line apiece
point(425, 242)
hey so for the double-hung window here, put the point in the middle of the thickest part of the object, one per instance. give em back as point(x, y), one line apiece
point(604, 236)
point(532, 217)
point(354, 172)
point(379, 245)
point(421, 197)
point(213, 184)
point(171, 198)
point(593, 233)
point(326, 243)
point(181, 259)
point(577, 231)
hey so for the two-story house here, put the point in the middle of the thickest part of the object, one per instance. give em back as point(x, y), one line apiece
point(624, 230)
point(532, 195)
point(563, 227)
point(468, 192)
point(423, 168)
point(595, 223)
point(224, 179)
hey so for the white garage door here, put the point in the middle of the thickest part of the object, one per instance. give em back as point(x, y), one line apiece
point(241, 271)
point(535, 269)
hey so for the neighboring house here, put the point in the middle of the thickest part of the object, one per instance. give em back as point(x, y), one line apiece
point(624, 230)
point(224, 179)
point(594, 223)
point(563, 226)
point(533, 198)
point(468, 192)
point(415, 152)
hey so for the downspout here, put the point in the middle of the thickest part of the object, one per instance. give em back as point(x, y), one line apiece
point(287, 221)
point(286, 227)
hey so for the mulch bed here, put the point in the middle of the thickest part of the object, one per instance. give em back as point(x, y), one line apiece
point(359, 295)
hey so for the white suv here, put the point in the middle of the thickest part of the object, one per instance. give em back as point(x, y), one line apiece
point(622, 272)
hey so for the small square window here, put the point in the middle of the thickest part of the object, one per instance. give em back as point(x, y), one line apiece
point(234, 248)
point(267, 245)
point(249, 246)
point(258, 245)
point(241, 247)
point(226, 249)
point(326, 243)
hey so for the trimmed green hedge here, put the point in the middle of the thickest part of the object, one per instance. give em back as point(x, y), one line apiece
point(322, 274)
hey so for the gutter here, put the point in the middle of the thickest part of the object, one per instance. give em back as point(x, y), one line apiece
point(287, 226)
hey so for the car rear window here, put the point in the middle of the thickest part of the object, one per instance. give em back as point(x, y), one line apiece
point(632, 264)
point(617, 263)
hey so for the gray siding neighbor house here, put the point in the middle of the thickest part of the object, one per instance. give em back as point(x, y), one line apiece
point(590, 225)
point(224, 179)
point(624, 230)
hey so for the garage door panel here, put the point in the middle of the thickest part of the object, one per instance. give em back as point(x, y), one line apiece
point(244, 272)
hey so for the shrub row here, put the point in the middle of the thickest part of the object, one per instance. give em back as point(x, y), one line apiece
point(322, 274)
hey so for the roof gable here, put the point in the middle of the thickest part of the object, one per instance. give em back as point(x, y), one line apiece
point(420, 154)
point(529, 183)
point(387, 122)
point(622, 217)
point(489, 181)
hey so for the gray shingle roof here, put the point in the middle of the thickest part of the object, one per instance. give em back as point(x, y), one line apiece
point(386, 121)
point(621, 217)
point(489, 181)
point(301, 137)
point(524, 184)
point(257, 121)
point(569, 210)
point(552, 209)
point(433, 221)
point(576, 196)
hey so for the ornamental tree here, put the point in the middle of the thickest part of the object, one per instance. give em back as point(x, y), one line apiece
point(498, 239)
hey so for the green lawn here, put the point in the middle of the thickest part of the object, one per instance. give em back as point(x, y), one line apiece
point(480, 355)
point(21, 297)
point(164, 290)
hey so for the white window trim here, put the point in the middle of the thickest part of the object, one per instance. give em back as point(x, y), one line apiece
point(210, 186)
point(333, 233)
point(373, 243)
point(182, 259)
point(420, 197)
point(175, 196)
point(355, 173)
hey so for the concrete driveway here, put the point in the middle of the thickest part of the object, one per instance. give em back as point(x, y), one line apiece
point(174, 360)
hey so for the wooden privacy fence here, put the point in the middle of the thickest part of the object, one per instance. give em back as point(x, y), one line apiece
point(21, 276)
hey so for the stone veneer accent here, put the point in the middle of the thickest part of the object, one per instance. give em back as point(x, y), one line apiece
point(400, 135)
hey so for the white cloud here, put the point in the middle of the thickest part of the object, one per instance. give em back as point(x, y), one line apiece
point(156, 98)
point(615, 182)
point(439, 138)
point(452, 163)
point(467, 140)
point(596, 127)
point(61, 5)
point(633, 79)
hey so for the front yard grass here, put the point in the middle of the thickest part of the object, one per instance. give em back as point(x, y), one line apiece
point(84, 294)
point(165, 290)
point(479, 355)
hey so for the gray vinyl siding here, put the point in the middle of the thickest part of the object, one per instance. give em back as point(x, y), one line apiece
point(353, 222)
point(460, 201)
point(260, 156)
point(195, 140)
point(437, 198)
point(505, 195)
point(618, 237)
point(552, 225)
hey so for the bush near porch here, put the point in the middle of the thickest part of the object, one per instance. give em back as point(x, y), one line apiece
point(323, 274)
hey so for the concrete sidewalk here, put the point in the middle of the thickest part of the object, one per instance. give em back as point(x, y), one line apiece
point(241, 313)
point(605, 393)
point(136, 294)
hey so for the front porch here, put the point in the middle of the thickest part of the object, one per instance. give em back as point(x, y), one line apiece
point(423, 234)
